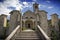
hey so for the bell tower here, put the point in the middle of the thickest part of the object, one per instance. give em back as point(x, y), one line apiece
point(35, 6)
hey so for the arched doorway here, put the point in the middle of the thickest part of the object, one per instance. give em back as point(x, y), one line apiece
point(29, 24)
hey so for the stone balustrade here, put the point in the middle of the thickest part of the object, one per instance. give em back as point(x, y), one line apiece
point(45, 36)
point(13, 33)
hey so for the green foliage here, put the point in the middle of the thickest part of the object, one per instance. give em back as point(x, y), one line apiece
point(24, 28)
point(59, 24)
point(33, 28)
point(49, 22)
point(7, 23)
point(54, 35)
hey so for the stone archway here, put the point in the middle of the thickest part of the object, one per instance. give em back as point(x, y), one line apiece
point(29, 24)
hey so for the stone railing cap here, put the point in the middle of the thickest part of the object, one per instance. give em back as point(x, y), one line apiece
point(3, 15)
point(14, 11)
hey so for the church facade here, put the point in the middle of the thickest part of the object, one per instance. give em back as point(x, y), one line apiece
point(30, 20)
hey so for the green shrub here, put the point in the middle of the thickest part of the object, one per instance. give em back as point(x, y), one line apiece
point(24, 28)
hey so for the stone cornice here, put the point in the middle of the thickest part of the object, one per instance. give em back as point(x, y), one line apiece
point(3, 15)
point(14, 11)
point(54, 14)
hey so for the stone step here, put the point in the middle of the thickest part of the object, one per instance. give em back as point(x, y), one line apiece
point(28, 35)
point(28, 32)
point(27, 39)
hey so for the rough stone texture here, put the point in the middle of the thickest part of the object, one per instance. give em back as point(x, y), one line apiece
point(43, 20)
point(29, 18)
point(14, 19)
point(3, 23)
point(55, 21)
point(29, 15)
point(55, 26)
point(3, 20)
point(1, 32)
point(38, 17)
point(28, 35)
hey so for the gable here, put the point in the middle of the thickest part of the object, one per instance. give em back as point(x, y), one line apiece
point(29, 14)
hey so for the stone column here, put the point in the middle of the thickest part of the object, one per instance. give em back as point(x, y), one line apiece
point(24, 23)
point(3, 20)
point(33, 25)
point(3, 25)
point(21, 23)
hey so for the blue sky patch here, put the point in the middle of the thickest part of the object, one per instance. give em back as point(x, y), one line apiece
point(2, 0)
point(51, 6)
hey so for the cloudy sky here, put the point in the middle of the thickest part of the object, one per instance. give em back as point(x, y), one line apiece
point(51, 6)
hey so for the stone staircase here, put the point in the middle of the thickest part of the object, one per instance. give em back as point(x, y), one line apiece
point(28, 35)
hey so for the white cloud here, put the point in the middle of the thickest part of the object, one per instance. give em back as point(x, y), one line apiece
point(41, 5)
point(34, 0)
point(45, 6)
point(25, 3)
point(8, 3)
point(48, 1)
point(50, 7)
point(3, 9)
point(13, 3)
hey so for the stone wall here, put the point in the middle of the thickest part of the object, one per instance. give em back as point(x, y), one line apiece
point(55, 27)
point(14, 20)
point(43, 21)
point(55, 21)
point(3, 20)
point(3, 23)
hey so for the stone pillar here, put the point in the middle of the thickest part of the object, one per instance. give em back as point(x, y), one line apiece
point(14, 18)
point(3, 25)
point(21, 22)
point(36, 20)
point(24, 23)
point(55, 21)
point(3, 20)
point(33, 25)
point(43, 21)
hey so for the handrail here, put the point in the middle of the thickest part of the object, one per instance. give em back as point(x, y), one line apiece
point(12, 33)
point(44, 34)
